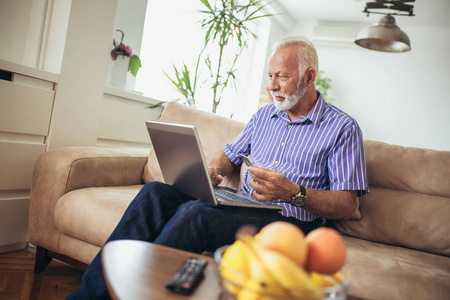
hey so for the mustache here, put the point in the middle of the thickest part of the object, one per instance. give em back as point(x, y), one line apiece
point(278, 94)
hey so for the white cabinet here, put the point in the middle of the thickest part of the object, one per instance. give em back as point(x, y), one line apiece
point(26, 103)
point(29, 115)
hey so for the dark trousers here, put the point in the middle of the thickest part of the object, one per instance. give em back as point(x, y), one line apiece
point(163, 215)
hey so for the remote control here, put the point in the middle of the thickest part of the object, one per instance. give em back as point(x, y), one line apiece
point(188, 276)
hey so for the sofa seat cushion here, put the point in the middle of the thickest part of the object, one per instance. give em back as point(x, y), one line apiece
point(91, 214)
point(388, 272)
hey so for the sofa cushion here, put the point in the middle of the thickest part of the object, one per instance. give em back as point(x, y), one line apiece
point(77, 249)
point(214, 132)
point(402, 218)
point(91, 214)
point(409, 198)
point(386, 272)
point(410, 169)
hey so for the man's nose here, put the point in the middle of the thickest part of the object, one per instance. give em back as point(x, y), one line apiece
point(274, 86)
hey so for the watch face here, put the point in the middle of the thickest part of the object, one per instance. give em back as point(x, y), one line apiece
point(298, 200)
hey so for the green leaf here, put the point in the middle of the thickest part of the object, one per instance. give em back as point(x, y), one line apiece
point(322, 85)
point(206, 3)
point(186, 78)
point(183, 84)
point(134, 65)
point(207, 35)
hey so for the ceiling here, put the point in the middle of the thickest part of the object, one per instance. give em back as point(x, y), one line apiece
point(427, 12)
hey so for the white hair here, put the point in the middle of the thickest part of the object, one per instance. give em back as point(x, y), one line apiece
point(307, 55)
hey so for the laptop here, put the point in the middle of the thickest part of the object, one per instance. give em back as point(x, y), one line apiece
point(180, 156)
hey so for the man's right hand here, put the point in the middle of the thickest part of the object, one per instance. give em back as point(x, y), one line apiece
point(219, 167)
point(216, 178)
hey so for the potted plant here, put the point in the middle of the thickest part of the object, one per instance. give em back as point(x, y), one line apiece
point(124, 61)
point(322, 85)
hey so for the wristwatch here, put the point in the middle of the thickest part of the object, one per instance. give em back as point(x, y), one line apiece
point(299, 199)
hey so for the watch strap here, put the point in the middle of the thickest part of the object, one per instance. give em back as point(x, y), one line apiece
point(299, 199)
point(302, 190)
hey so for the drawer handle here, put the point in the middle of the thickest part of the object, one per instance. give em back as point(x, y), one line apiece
point(5, 75)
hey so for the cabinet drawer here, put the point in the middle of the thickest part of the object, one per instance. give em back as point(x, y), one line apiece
point(25, 109)
point(16, 164)
point(14, 221)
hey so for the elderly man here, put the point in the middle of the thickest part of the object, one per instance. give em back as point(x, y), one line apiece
point(308, 157)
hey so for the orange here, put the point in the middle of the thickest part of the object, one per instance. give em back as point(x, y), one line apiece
point(326, 251)
point(285, 238)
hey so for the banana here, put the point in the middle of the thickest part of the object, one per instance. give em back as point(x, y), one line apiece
point(261, 279)
point(294, 279)
point(339, 277)
point(252, 291)
point(243, 274)
point(235, 258)
point(234, 267)
point(323, 280)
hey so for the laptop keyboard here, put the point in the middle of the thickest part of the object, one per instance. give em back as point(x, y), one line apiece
point(233, 197)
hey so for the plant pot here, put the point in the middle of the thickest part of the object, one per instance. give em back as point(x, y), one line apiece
point(119, 72)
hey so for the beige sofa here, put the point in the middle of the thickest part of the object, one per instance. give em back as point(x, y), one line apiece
point(398, 249)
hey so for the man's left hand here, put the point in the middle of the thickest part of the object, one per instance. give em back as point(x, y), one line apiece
point(271, 185)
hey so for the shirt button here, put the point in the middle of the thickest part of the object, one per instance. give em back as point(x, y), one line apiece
point(282, 144)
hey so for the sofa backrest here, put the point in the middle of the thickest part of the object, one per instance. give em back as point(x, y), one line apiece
point(409, 199)
point(214, 132)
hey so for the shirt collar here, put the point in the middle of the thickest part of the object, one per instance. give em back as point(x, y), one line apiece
point(314, 115)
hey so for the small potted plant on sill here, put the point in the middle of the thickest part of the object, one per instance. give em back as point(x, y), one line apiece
point(124, 60)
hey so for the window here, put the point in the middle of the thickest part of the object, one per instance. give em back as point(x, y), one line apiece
point(172, 36)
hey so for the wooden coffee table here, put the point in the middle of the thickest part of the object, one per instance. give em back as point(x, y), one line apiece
point(140, 270)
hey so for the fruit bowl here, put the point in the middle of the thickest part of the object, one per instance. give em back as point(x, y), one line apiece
point(236, 285)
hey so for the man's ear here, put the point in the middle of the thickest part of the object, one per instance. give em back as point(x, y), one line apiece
point(310, 76)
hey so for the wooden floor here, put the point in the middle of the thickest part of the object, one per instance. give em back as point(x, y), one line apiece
point(18, 280)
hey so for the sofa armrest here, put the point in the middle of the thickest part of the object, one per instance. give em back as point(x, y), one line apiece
point(60, 171)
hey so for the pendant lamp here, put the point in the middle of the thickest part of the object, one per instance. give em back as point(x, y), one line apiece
point(384, 36)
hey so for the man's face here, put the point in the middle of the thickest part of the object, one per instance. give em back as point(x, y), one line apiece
point(286, 85)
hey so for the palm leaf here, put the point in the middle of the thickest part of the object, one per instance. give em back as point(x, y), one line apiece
point(206, 3)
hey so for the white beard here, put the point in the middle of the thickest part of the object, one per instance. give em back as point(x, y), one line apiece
point(290, 101)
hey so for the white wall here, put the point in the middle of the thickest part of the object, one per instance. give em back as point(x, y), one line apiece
point(54, 35)
point(398, 98)
point(15, 15)
point(75, 119)
point(33, 32)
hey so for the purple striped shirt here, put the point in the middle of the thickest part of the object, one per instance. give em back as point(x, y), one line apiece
point(322, 151)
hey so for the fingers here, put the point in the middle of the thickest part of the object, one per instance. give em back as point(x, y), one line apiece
point(216, 179)
point(263, 185)
point(259, 192)
point(268, 184)
point(263, 175)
